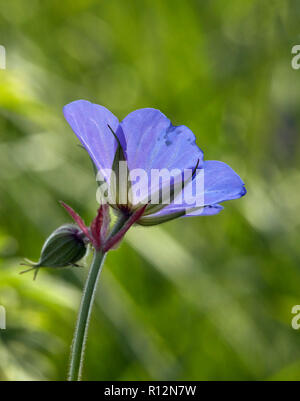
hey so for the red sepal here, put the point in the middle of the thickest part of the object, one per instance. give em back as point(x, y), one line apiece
point(111, 242)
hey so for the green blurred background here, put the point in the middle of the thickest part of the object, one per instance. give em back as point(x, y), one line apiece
point(200, 298)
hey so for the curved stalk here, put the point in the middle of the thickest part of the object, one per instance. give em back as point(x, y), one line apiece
point(81, 329)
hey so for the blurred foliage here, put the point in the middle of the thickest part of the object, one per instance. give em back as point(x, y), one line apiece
point(199, 298)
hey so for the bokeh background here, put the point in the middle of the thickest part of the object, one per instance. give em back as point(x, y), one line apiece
point(196, 299)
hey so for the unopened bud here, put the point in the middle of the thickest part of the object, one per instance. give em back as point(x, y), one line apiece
point(64, 247)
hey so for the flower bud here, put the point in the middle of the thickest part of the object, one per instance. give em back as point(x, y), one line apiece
point(64, 247)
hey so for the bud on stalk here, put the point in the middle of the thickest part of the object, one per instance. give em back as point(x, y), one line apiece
point(64, 247)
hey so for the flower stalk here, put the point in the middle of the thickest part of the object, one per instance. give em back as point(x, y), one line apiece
point(87, 301)
point(81, 329)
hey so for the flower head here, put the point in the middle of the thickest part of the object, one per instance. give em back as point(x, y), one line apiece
point(146, 141)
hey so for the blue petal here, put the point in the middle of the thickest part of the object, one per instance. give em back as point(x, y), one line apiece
point(205, 211)
point(153, 142)
point(167, 214)
point(221, 183)
point(89, 122)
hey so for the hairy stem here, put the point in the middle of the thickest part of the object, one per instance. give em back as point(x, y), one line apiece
point(81, 329)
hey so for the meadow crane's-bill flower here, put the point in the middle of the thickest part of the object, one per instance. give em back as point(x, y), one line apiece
point(148, 141)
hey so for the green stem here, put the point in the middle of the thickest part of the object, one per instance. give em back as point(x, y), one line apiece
point(80, 334)
point(81, 329)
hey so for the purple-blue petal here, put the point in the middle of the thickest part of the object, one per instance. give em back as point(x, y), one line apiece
point(153, 142)
point(221, 183)
point(190, 212)
point(89, 122)
point(205, 211)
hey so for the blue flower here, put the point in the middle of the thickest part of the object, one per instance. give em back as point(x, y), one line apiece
point(148, 141)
